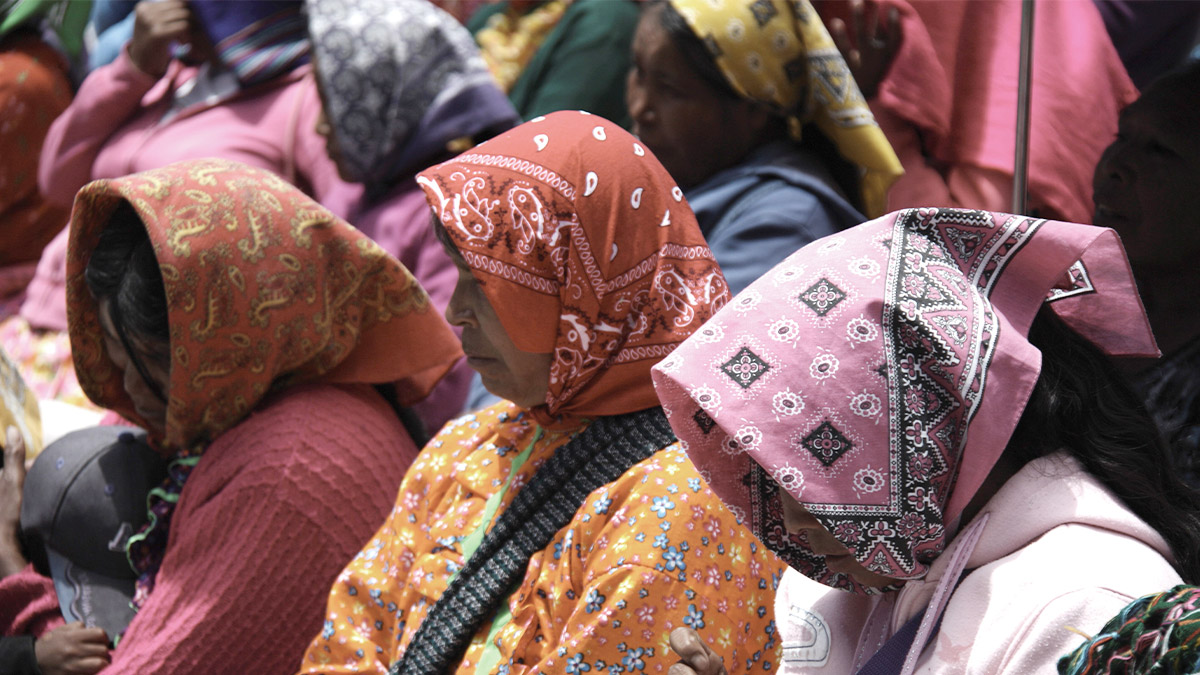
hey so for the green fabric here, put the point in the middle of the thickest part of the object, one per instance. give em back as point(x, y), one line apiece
point(67, 18)
point(1154, 635)
point(583, 63)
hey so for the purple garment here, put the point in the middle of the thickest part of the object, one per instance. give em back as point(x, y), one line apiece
point(1151, 36)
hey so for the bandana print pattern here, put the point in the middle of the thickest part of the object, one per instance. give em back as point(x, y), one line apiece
point(865, 419)
point(585, 248)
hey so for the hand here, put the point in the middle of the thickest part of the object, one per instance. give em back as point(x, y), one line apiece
point(869, 54)
point(12, 482)
point(72, 649)
point(155, 26)
point(695, 657)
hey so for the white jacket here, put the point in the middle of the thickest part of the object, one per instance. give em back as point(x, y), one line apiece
point(1058, 557)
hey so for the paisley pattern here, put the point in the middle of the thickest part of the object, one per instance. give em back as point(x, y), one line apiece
point(648, 552)
point(399, 80)
point(912, 372)
point(586, 248)
point(265, 289)
point(778, 52)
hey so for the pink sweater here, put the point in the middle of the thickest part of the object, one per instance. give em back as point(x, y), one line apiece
point(271, 514)
point(1059, 554)
point(112, 128)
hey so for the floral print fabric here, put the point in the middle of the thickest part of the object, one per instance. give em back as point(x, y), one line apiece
point(876, 375)
point(648, 552)
point(779, 53)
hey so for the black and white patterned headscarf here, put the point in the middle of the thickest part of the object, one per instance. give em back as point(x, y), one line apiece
point(400, 79)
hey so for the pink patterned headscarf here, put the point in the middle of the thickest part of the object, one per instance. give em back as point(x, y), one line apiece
point(877, 374)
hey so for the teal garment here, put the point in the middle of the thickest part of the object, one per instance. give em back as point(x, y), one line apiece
point(583, 63)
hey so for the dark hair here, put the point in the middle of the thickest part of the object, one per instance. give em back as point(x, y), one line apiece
point(124, 272)
point(1082, 404)
point(701, 61)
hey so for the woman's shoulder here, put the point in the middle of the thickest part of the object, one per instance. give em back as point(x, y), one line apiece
point(315, 425)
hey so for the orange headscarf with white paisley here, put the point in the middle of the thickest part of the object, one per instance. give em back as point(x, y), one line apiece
point(586, 248)
point(265, 288)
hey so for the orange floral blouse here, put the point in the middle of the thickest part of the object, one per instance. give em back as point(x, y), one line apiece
point(651, 551)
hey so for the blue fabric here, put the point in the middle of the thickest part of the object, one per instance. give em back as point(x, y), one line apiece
point(112, 20)
point(757, 213)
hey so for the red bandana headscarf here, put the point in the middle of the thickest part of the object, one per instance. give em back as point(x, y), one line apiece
point(265, 289)
point(586, 248)
point(876, 375)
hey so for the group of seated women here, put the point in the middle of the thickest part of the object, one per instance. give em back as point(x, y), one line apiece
point(902, 447)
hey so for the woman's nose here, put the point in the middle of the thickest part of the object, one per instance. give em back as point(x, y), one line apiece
point(637, 101)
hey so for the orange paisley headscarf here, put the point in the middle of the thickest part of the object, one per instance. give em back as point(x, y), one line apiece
point(265, 289)
point(586, 248)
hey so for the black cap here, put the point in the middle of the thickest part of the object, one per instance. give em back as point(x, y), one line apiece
point(85, 495)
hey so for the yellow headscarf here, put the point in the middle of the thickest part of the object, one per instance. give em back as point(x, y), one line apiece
point(778, 52)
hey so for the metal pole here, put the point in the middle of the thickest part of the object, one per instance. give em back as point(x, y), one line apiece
point(1024, 90)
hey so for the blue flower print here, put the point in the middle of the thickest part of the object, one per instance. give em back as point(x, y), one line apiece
point(674, 559)
point(633, 660)
point(601, 505)
point(594, 601)
point(575, 664)
point(695, 618)
point(327, 631)
point(661, 541)
point(672, 488)
point(662, 505)
point(694, 484)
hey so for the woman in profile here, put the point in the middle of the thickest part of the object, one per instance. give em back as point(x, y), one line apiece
point(920, 417)
point(269, 349)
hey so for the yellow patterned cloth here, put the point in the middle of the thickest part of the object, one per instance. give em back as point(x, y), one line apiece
point(648, 552)
point(778, 52)
point(509, 41)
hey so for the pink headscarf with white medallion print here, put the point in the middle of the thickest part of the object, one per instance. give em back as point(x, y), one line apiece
point(877, 374)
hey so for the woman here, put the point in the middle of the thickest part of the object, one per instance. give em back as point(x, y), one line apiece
point(1142, 189)
point(560, 530)
point(755, 115)
point(861, 405)
point(439, 100)
point(199, 78)
point(259, 339)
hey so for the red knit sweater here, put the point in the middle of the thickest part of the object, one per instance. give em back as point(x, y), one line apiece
point(274, 510)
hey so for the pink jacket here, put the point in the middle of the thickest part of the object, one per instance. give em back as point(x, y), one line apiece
point(268, 518)
point(1059, 554)
point(112, 129)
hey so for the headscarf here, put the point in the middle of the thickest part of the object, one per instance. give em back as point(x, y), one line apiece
point(876, 375)
point(66, 19)
point(777, 52)
point(257, 40)
point(585, 248)
point(1158, 634)
point(400, 79)
point(265, 289)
